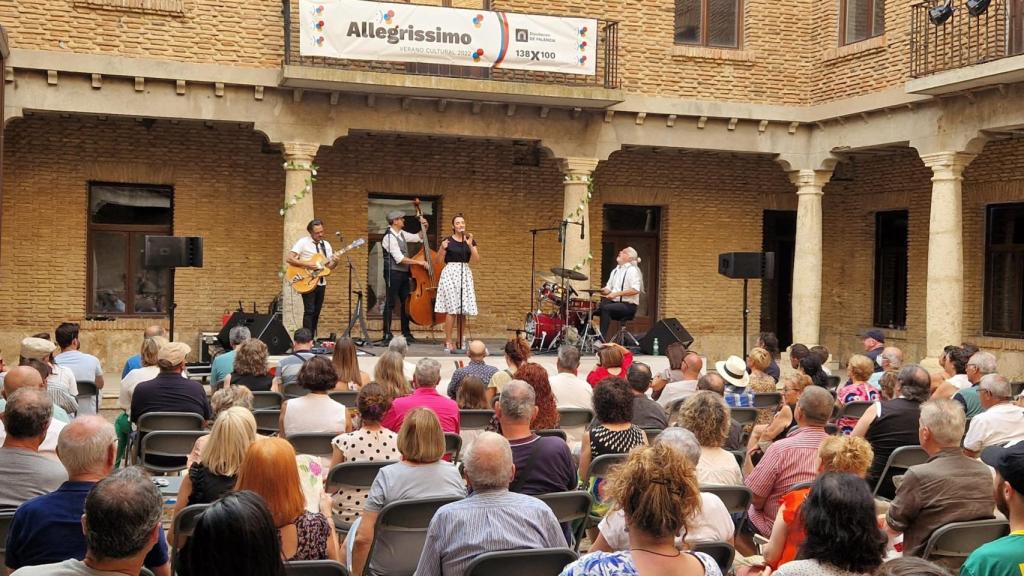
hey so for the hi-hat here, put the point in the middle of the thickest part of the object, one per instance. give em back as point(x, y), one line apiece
point(569, 274)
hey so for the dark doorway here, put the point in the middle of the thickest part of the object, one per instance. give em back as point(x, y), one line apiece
point(1016, 24)
point(777, 295)
point(639, 227)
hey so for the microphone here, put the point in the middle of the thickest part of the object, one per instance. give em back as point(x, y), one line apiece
point(561, 232)
point(583, 230)
point(338, 234)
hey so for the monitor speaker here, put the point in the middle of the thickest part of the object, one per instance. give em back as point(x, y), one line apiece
point(747, 265)
point(266, 327)
point(173, 252)
point(666, 331)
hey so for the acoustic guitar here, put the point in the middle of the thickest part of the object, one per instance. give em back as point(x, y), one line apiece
point(304, 280)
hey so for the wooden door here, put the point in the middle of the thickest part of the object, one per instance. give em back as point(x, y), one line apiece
point(639, 227)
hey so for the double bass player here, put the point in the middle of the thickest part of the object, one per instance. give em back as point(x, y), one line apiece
point(396, 270)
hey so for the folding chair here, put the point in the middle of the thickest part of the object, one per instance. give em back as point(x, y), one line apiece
point(145, 572)
point(722, 552)
point(184, 525)
point(405, 524)
point(166, 451)
point(652, 433)
point(833, 382)
point(268, 422)
point(313, 443)
point(475, 419)
point(346, 398)
point(569, 507)
point(901, 459)
point(294, 391)
point(951, 544)
point(540, 562)
point(744, 416)
point(354, 475)
point(574, 417)
point(315, 568)
point(854, 409)
point(267, 400)
point(156, 422)
point(599, 468)
point(452, 445)
point(5, 527)
point(87, 388)
point(558, 432)
point(767, 400)
point(736, 498)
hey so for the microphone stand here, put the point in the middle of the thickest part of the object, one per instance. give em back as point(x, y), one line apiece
point(360, 314)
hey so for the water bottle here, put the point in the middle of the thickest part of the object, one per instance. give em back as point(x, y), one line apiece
point(655, 350)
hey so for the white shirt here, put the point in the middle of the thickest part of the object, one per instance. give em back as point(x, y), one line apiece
point(409, 370)
point(64, 378)
point(391, 245)
point(626, 277)
point(49, 446)
point(718, 466)
point(960, 381)
point(675, 391)
point(305, 248)
point(1000, 423)
point(571, 391)
point(314, 413)
point(133, 379)
point(712, 524)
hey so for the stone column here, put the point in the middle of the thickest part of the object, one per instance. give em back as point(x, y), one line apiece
point(577, 172)
point(298, 211)
point(807, 257)
point(945, 300)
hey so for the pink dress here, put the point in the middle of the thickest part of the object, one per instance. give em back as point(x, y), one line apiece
point(862, 392)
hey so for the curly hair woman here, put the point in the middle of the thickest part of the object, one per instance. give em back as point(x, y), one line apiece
point(707, 416)
point(250, 368)
point(535, 375)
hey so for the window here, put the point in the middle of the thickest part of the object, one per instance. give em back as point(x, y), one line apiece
point(714, 23)
point(377, 209)
point(891, 269)
point(860, 20)
point(120, 217)
point(1004, 270)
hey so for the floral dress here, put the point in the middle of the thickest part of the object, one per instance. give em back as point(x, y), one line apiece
point(621, 564)
point(312, 530)
point(862, 392)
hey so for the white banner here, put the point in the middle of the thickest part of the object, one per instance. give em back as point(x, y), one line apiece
point(365, 30)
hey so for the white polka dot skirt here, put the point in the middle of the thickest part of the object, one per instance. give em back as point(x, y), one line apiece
point(456, 282)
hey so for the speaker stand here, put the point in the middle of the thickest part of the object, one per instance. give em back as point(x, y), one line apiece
point(746, 314)
point(172, 304)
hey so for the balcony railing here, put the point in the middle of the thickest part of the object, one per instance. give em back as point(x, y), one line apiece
point(607, 60)
point(963, 40)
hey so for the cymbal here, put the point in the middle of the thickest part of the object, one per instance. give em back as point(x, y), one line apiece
point(569, 274)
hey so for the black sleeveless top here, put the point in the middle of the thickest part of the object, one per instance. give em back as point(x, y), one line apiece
point(207, 486)
point(896, 427)
point(252, 382)
point(457, 251)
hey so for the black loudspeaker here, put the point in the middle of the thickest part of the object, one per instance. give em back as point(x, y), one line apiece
point(266, 327)
point(666, 331)
point(173, 252)
point(747, 265)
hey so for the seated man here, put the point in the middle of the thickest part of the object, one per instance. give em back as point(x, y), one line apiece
point(672, 392)
point(121, 525)
point(712, 524)
point(170, 391)
point(1001, 422)
point(790, 461)
point(490, 520)
point(543, 463)
point(569, 389)
point(424, 395)
point(1005, 555)
point(950, 487)
point(28, 377)
point(646, 412)
point(289, 366)
point(85, 367)
point(26, 472)
point(135, 361)
point(476, 351)
point(48, 528)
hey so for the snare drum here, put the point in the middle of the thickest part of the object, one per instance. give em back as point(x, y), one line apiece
point(541, 329)
point(582, 305)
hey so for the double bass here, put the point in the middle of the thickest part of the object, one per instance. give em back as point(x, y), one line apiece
point(420, 305)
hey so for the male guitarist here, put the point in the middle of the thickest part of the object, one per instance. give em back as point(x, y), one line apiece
point(300, 255)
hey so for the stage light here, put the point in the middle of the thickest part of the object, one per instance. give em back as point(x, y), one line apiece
point(977, 7)
point(939, 14)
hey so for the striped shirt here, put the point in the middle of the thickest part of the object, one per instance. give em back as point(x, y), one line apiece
point(787, 462)
point(486, 522)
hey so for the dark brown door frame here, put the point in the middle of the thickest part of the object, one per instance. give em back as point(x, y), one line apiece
point(4, 55)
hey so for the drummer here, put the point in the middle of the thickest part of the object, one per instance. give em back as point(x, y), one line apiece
point(621, 295)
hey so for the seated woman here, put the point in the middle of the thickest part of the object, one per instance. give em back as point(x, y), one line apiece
point(785, 418)
point(860, 368)
point(811, 366)
point(419, 474)
point(472, 394)
point(370, 443)
point(269, 470)
point(843, 537)
point(517, 353)
point(706, 415)
point(233, 432)
point(250, 367)
point(239, 522)
point(226, 397)
point(346, 365)
point(612, 360)
point(389, 373)
point(547, 412)
point(316, 411)
point(657, 490)
point(758, 361)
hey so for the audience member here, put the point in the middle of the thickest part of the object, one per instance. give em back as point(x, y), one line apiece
point(614, 432)
point(121, 525)
point(569, 389)
point(316, 411)
point(950, 487)
point(797, 352)
point(472, 394)
point(612, 360)
point(221, 401)
point(346, 365)
point(224, 362)
point(668, 393)
point(1001, 422)
point(268, 469)
point(543, 464)
point(843, 537)
point(860, 368)
point(955, 371)
point(770, 342)
point(734, 370)
point(390, 374)
point(914, 566)
point(1005, 555)
point(48, 529)
point(61, 385)
point(784, 422)
point(657, 490)
point(28, 377)
point(675, 352)
point(887, 385)
point(289, 366)
point(789, 461)
point(873, 341)
point(760, 382)
point(215, 474)
point(493, 518)
point(250, 367)
point(148, 369)
point(26, 472)
point(428, 374)
point(170, 391)
point(476, 351)
point(536, 376)
point(713, 382)
point(135, 361)
point(517, 353)
point(370, 443)
point(240, 523)
point(419, 474)
point(646, 412)
point(401, 345)
point(707, 416)
point(891, 360)
point(811, 366)
point(85, 367)
point(710, 523)
point(823, 355)
point(981, 364)
point(892, 424)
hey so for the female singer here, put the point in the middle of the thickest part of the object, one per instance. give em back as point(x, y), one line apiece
point(455, 293)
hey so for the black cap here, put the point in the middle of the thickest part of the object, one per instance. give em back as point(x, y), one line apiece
point(875, 333)
point(1008, 461)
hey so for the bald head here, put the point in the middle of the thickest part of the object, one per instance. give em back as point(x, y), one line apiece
point(87, 446)
point(27, 415)
point(692, 364)
point(476, 350)
point(815, 406)
point(489, 462)
point(713, 382)
point(154, 330)
point(22, 377)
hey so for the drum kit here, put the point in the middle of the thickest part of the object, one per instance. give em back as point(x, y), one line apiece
point(563, 315)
